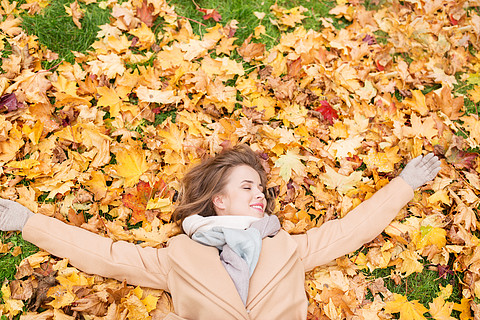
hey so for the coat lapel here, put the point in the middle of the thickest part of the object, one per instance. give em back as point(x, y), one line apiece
point(202, 266)
point(276, 256)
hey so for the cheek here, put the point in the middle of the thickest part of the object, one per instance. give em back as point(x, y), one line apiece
point(243, 197)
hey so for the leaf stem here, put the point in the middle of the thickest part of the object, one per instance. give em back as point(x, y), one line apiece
point(204, 25)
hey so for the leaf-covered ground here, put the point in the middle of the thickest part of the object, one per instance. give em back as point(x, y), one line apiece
point(101, 143)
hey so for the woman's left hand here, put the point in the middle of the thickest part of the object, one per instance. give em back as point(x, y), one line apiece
point(420, 170)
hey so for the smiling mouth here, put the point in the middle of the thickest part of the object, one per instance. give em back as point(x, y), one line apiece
point(257, 206)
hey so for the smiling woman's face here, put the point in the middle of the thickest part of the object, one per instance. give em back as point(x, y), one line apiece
point(242, 195)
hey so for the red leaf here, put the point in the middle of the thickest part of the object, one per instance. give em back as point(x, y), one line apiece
point(138, 199)
point(210, 14)
point(144, 13)
point(443, 271)
point(327, 111)
point(461, 159)
point(453, 21)
point(10, 102)
point(379, 66)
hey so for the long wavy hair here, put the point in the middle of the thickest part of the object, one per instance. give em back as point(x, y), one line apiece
point(201, 183)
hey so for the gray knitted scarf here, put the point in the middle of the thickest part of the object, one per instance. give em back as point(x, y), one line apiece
point(240, 248)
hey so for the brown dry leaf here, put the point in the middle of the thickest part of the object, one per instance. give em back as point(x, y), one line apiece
point(95, 304)
point(251, 51)
point(11, 26)
point(76, 13)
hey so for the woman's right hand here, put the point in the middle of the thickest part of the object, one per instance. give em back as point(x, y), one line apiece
point(13, 216)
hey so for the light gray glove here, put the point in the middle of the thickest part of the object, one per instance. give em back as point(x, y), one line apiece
point(420, 170)
point(13, 215)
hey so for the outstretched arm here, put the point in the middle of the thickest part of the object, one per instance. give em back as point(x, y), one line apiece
point(88, 251)
point(336, 238)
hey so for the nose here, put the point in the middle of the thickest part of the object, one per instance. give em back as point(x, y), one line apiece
point(260, 195)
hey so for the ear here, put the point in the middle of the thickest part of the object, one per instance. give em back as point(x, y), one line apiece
point(219, 203)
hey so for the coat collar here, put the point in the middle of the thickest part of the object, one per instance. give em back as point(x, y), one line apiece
point(202, 263)
point(201, 266)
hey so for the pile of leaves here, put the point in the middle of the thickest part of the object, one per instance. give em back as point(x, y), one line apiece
point(103, 142)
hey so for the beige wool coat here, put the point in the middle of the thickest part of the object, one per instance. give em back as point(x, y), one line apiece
point(200, 286)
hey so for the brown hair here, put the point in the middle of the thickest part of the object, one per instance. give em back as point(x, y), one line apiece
point(209, 178)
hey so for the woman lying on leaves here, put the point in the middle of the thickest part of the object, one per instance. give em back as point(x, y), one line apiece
point(233, 261)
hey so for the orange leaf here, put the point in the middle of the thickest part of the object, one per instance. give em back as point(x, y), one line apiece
point(210, 14)
point(144, 13)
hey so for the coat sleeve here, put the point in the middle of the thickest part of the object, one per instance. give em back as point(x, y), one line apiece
point(338, 237)
point(95, 254)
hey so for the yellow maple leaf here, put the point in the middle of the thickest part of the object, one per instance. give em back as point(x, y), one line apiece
point(464, 308)
point(145, 36)
point(136, 309)
point(367, 92)
point(383, 161)
point(109, 64)
point(8, 7)
point(131, 164)
point(35, 132)
point(409, 310)
point(472, 124)
point(345, 148)
point(474, 94)
point(410, 263)
point(33, 85)
point(38, 258)
point(196, 48)
point(24, 165)
point(158, 203)
point(334, 180)
point(464, 213)
point(74, 279)
point(64, 85)
point(429, 235)
point(259, 30)
point(440, 196)
point(441, 310)
point(157, 236)
point(10, 306)
point(288, 17)
point(150, 302)
point(61, 297)
point(159, 96)
point(417, 102)
point(226, 46)
point(108, 97)
point(97, 185)
point(172, 137)
point(289, 163)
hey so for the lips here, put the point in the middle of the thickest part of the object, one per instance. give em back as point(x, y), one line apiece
point(258, 206)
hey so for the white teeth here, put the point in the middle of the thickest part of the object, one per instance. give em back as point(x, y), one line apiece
point(257, 207)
